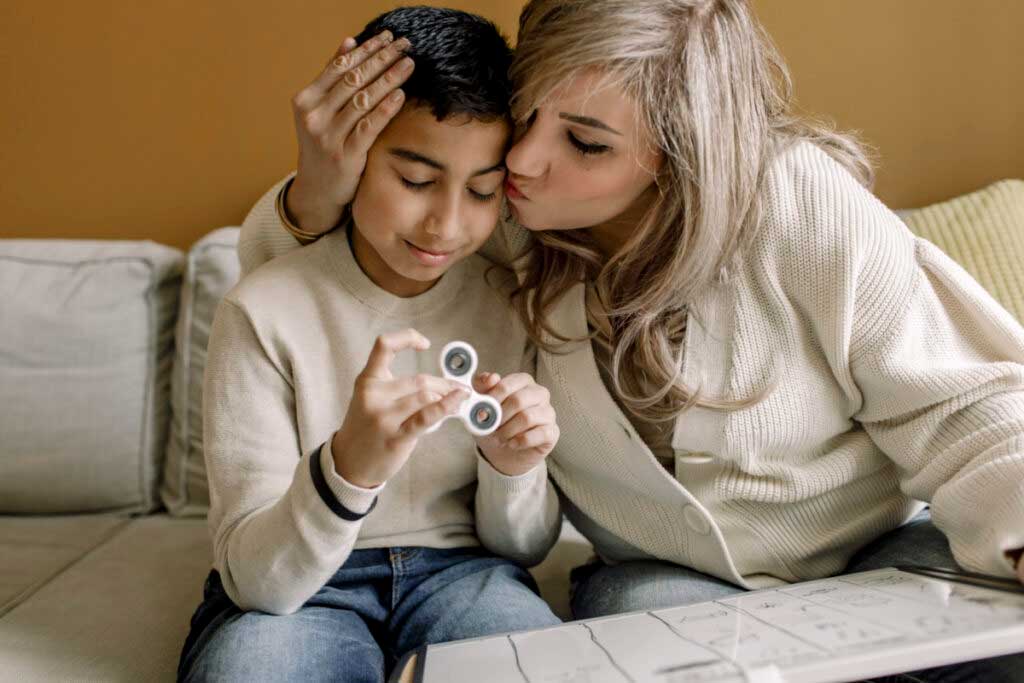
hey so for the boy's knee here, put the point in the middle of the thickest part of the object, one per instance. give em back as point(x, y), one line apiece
point(257, 646)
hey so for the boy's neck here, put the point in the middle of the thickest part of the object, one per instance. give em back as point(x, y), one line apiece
point(379, 272)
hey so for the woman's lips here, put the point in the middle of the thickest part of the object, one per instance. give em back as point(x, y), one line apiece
point(513, 192)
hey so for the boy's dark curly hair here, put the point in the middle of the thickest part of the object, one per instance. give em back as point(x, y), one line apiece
point(462, 61)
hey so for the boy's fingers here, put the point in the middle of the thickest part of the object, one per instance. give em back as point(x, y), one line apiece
point(352, 105)
point(387, 346)
point(525, 420)
point(485, 381)
point(509, 386)
point(402, 409)
point(410, 385)
point(433, 413)
point(527, 397)
point(543, 437)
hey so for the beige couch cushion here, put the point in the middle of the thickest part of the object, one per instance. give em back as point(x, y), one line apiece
point(120, 613)
point(85, 360)
point(33, 550)
point(211, 269)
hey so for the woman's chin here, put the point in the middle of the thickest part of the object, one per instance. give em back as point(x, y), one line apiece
point(531, 228)
point(533, 223)
point(514, 215)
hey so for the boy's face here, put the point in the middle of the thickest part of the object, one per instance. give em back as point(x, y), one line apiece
point(429, 197)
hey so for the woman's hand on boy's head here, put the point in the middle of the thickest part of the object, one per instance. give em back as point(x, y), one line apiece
point(529, 430)
point(337, 119)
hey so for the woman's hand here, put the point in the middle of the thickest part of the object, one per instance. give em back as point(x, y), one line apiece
point(528, 430)
point(1017, 556)
point(337, 118)
point(387, 416)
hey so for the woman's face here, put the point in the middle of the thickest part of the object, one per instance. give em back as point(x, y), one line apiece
point(582, 161)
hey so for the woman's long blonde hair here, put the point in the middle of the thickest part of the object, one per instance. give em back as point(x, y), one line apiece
point(716, 98)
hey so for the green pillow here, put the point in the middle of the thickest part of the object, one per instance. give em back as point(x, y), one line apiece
point(984, 232)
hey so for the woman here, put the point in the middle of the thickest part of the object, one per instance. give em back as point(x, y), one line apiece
point(760, 373)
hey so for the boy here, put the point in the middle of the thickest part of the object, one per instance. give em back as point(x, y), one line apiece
point(344, 534)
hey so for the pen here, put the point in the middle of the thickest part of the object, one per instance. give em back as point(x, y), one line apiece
point(969, 578)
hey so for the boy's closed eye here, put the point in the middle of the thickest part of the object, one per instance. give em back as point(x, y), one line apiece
point(481, 191)
point(483, 186)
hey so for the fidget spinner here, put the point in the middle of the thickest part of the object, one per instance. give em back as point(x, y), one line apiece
point(480, 414)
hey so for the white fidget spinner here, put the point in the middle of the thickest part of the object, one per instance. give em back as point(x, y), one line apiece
point(480, 414)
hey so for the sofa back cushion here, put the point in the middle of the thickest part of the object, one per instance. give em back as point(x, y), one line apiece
point(86, 344)
point(211, 269)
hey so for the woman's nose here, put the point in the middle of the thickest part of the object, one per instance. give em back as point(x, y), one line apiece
point(527, 158)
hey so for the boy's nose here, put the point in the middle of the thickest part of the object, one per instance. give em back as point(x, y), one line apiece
point(443, 222)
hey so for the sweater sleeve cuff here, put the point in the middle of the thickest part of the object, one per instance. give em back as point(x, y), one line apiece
point(347, 500)
point(980, 539)
point(1010, 519)
point(492, 479)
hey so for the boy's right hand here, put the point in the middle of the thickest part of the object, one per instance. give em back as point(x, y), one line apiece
point(337, 118)
point(387, 415)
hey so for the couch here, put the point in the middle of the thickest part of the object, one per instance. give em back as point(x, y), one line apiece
point(103, 541)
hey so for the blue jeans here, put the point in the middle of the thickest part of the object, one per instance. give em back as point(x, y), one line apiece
point(380, 605)
point(599, 589)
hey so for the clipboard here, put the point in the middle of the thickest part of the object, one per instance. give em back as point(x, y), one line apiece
point(843, 628)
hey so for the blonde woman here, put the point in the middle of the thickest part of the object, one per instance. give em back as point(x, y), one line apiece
point(761, 375)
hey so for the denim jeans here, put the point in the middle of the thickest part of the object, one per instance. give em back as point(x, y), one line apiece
point(599, 589)
point(381, 604)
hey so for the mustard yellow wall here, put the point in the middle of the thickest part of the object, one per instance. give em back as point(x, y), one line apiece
point(165, 120)
point(936, 86)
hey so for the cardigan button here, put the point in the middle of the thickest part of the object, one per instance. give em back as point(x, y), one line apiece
point(694, 458)
point(696, 520)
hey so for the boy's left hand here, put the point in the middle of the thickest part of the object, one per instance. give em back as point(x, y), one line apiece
point(528, 431)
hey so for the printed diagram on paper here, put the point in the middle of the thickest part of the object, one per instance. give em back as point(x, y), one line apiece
point(769, 635)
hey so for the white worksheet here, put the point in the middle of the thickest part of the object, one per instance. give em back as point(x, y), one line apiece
point(839, 629)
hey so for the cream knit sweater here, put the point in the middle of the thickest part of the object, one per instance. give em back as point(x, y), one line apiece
point(899, 380)
point(285, 348)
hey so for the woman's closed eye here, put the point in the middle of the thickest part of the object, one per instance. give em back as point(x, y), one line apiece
point(586, 148)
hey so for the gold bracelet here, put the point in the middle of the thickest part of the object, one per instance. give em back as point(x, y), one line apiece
point(303, 237)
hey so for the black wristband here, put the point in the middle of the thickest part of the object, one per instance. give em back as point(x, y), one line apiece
point(327, 495)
